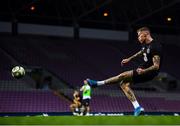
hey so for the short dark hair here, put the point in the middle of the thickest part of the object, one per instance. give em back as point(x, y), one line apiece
point(143, 29)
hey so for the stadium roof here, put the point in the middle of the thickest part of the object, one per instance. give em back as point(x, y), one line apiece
point(161, 15)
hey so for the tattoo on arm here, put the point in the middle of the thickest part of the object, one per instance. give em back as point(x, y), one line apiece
point(156, 61)
point(156, 64)
point(136, 55)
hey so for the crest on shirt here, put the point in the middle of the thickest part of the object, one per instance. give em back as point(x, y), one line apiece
point(148, 50)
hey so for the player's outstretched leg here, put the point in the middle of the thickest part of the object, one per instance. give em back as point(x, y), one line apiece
point(130, 95)
point(123, 76)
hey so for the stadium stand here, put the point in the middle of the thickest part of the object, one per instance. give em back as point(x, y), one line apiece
point(72, 63)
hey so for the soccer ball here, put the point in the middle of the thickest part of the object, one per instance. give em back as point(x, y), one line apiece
point(18, 72)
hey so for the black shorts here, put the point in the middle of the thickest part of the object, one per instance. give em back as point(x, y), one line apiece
point(143, 77)
point(85, 102)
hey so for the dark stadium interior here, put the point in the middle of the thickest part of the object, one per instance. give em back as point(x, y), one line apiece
point(59, 43)
point(123, 15)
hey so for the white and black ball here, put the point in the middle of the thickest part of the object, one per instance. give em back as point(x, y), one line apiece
point(18, 72)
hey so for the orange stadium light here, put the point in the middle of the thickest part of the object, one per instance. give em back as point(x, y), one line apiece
point(32, 8)
point(105, 14)
point(169, 19)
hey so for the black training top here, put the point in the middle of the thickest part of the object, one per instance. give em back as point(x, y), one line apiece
point(149, 51)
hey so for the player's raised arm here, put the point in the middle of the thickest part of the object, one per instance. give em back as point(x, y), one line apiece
point(82, 88)
point(124, 61)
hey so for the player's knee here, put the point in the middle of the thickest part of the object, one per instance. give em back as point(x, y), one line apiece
point(122, 75)
point(123, 86)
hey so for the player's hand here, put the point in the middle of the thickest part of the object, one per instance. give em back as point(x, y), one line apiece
point(140, 71)
point(124, 61)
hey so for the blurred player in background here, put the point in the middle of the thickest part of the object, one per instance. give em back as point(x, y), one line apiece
point(151, 53)
point(75, 106)
point(86, 91)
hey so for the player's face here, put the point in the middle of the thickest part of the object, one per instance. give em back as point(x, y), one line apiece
point(142, 36)
point(85, 82)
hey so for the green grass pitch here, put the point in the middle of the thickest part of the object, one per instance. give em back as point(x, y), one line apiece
point(91, 120)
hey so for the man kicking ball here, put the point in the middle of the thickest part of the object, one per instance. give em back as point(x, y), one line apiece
point(151, 54)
